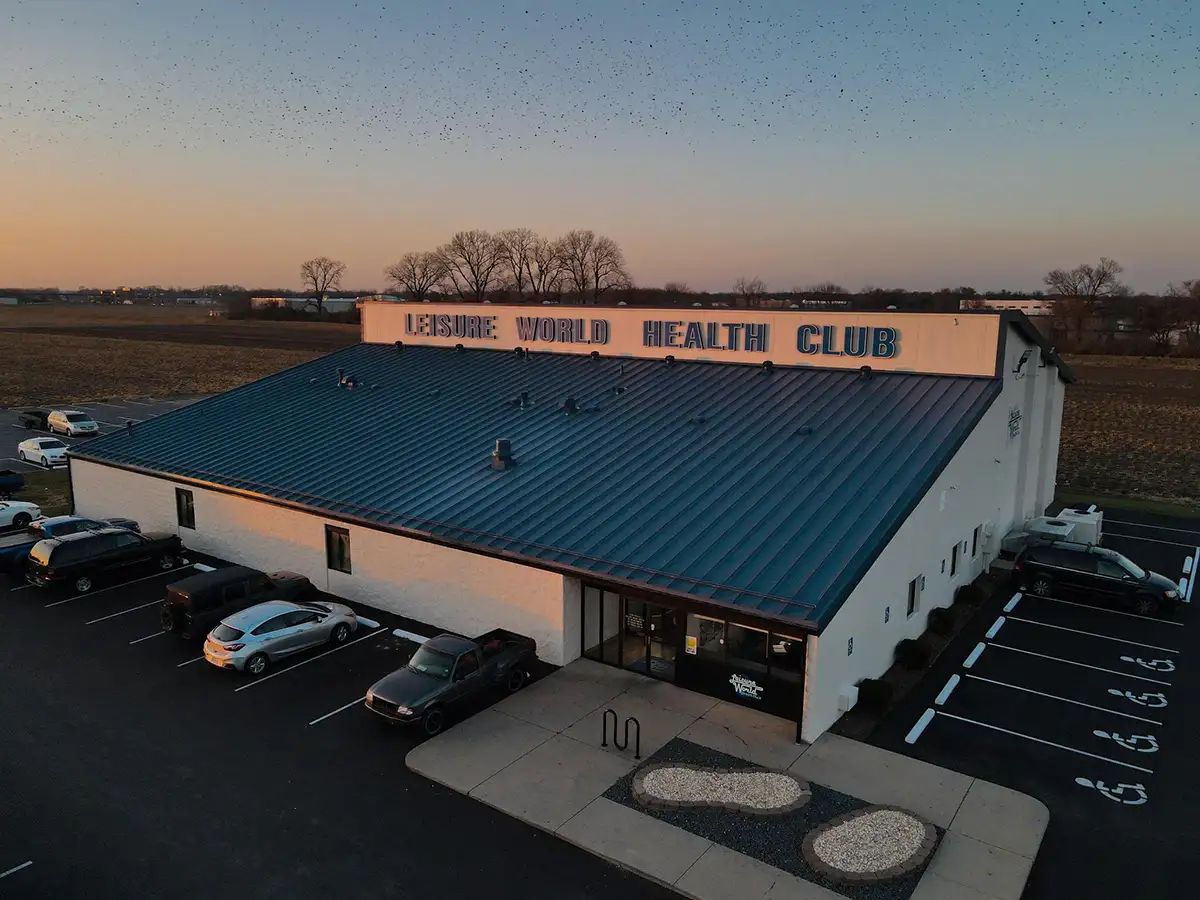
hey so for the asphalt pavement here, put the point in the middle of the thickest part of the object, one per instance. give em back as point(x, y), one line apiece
point(130, 767)
point(1089, 709)
point(110, 416)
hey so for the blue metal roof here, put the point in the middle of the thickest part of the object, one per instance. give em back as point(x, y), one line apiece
point(768, 491)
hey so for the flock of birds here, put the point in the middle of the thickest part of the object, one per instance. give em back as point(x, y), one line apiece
point(505, 78)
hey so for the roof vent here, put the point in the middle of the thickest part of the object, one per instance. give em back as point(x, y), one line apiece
point(670, 360)
point(523, 401)
point(697, 304)
point(570, 406)
point(865, 372)
point(767, 366)
point(129, 425)
point(519, 352)
point(595, 354)
point(459, 348)
point(341, 376)
point(804, 431)
point(399, 345)
point(697, 420)
point(502, 457)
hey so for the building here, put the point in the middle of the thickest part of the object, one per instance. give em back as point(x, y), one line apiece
point(307, 304)
point(1031, 306)
point(758, 505)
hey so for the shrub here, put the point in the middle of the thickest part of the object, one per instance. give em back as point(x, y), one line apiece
point(968, 595)
point(941, 620)
point(912, 654)
point(875, 693)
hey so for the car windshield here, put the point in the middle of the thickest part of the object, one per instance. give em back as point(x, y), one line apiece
point(432, 662)
point(225, 633)
point(1130, 566)
point(78, 417)
point(52, 444)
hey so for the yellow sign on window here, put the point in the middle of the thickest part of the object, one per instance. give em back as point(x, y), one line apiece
point(691, 645)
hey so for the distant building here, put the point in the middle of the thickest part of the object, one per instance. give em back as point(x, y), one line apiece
point(1031, 306)
point(195, 301)
point(331, 305)
point(9, 301)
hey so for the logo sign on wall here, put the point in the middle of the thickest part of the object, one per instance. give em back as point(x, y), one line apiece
point(1014, 422)
point(746, 687)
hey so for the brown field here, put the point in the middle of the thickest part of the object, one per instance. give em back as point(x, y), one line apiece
point(1131, 425)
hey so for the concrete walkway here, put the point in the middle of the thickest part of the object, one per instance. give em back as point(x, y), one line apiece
point(536, 755)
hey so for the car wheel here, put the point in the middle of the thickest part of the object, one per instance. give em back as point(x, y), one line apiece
point(1041, 587)
point(21, 455)
point(1145, 605)
point(433, 721)
point(166, 561)
point(47, 462)
point(257, 664)
point(341, 631)
point(83, 584)
point(22, 519)
point(516, 680)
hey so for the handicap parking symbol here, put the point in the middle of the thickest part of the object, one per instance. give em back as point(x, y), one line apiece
point(1157, 665)
point(1154, 701)
point(1141, 743)
point(1138, 797)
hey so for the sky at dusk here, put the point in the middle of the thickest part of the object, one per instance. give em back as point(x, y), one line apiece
point(922, 144)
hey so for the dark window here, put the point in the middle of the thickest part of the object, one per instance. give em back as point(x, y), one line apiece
point(746, 648)
point(275, 623)
point(954, 561)
point(126, 540)
point(975, 541)
point(709, 635)
point(467, 665)
point(302, 617)
point(101, 543)
point(65, 554)
point(225, 633)
point(337, 549)
point(787, 657)
point(185, 508)
point(235, 592)
point(1110, 569)
point(914, 595)
point(1079, 562)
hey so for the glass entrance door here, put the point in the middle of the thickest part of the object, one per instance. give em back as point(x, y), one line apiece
point(650, 639)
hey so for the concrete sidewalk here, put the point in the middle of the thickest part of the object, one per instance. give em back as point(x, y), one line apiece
point(537, 755)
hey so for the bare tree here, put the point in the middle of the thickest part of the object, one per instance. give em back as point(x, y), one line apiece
point(473, 259)
point(575, 250)
point(516, 245)
point(544, 269)
point(320, 276)
point(677, 287)
point(823, 287)
point(1185, 299)
point(417, 273)
point(1087, 282)
point(749, 291)
point(592, 264)
point(607, 267)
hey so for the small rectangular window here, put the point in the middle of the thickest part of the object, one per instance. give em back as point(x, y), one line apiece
point(914, 595)
point(975, 541)
point(185, 509)
point(337, 549)
point(954, 560)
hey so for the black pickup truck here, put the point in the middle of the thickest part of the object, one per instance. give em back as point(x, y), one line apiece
point(447, 670)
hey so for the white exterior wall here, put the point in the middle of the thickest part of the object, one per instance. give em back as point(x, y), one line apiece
point(451, 589)
point(981, 484)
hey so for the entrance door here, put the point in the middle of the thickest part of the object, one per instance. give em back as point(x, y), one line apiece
point(651, 636)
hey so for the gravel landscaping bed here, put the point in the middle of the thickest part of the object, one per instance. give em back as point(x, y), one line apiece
point(776, 840)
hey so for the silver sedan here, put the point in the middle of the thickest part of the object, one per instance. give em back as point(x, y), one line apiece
point(249, 641)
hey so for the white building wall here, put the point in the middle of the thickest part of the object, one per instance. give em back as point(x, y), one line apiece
point(451, 589)
point(978, 486)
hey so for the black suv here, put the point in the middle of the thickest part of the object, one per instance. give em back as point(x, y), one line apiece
point(198, 603)
point(1096, 575)
point(83, 559)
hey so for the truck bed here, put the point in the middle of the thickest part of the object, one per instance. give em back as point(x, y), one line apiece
point(499, 640)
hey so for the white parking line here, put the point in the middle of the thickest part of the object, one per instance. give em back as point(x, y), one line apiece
point(189, 662)
point(1146, 540)
point(1071, 662)
point(1017, 687)
point(147, 637)
point(1115, 612)
point(124, 611)
point(944, 695)
point(1103, 637)
point(307, 661)
point(1155, 527)
point(354, 702)
point(15, 869)
point(117, 586)
point(1044, 742)
point(23, 462)
point(1192, 586)
point(134, 403)
point(23, 587)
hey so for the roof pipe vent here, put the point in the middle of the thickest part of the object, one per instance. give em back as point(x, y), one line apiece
point(804, 431)
point(502, 457)
point(595, 354)
point(670, 357)
point(129, 426)
point(519, 352)
point(459, 348)
point(523, 400)
point(399, 345)
point(767, 366)
point(866, 372)
point(570, 407)
point(341, 376)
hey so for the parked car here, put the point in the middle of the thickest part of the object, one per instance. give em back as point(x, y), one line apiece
point(72, 423)
point(249, 641)
point(45, 451)
point(1096, 575)
point(83, 559)
point(10, 483)
point(34, 418)
point(448, 669)
point(15, 547)
point(18, 513)
point(196, 604)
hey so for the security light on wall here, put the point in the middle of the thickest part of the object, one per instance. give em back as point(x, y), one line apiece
point(1019, 370)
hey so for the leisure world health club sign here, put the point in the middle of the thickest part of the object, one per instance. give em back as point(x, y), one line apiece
point(707, 335)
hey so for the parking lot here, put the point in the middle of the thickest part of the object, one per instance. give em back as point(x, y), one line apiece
point(129, 766)
point(110, 416)
point(1089, 710)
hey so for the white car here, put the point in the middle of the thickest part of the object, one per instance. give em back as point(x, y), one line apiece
point(72, 423)
point(46, 451)
point(18, 513)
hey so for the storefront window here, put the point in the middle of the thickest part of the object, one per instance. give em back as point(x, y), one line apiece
point(787, 657)
point(746, 648)
point(706, 638)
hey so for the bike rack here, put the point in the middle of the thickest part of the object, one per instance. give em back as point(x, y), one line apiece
point(624, 743)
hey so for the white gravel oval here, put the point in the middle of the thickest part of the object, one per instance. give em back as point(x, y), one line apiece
point(871, 842)
point(760, 790)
